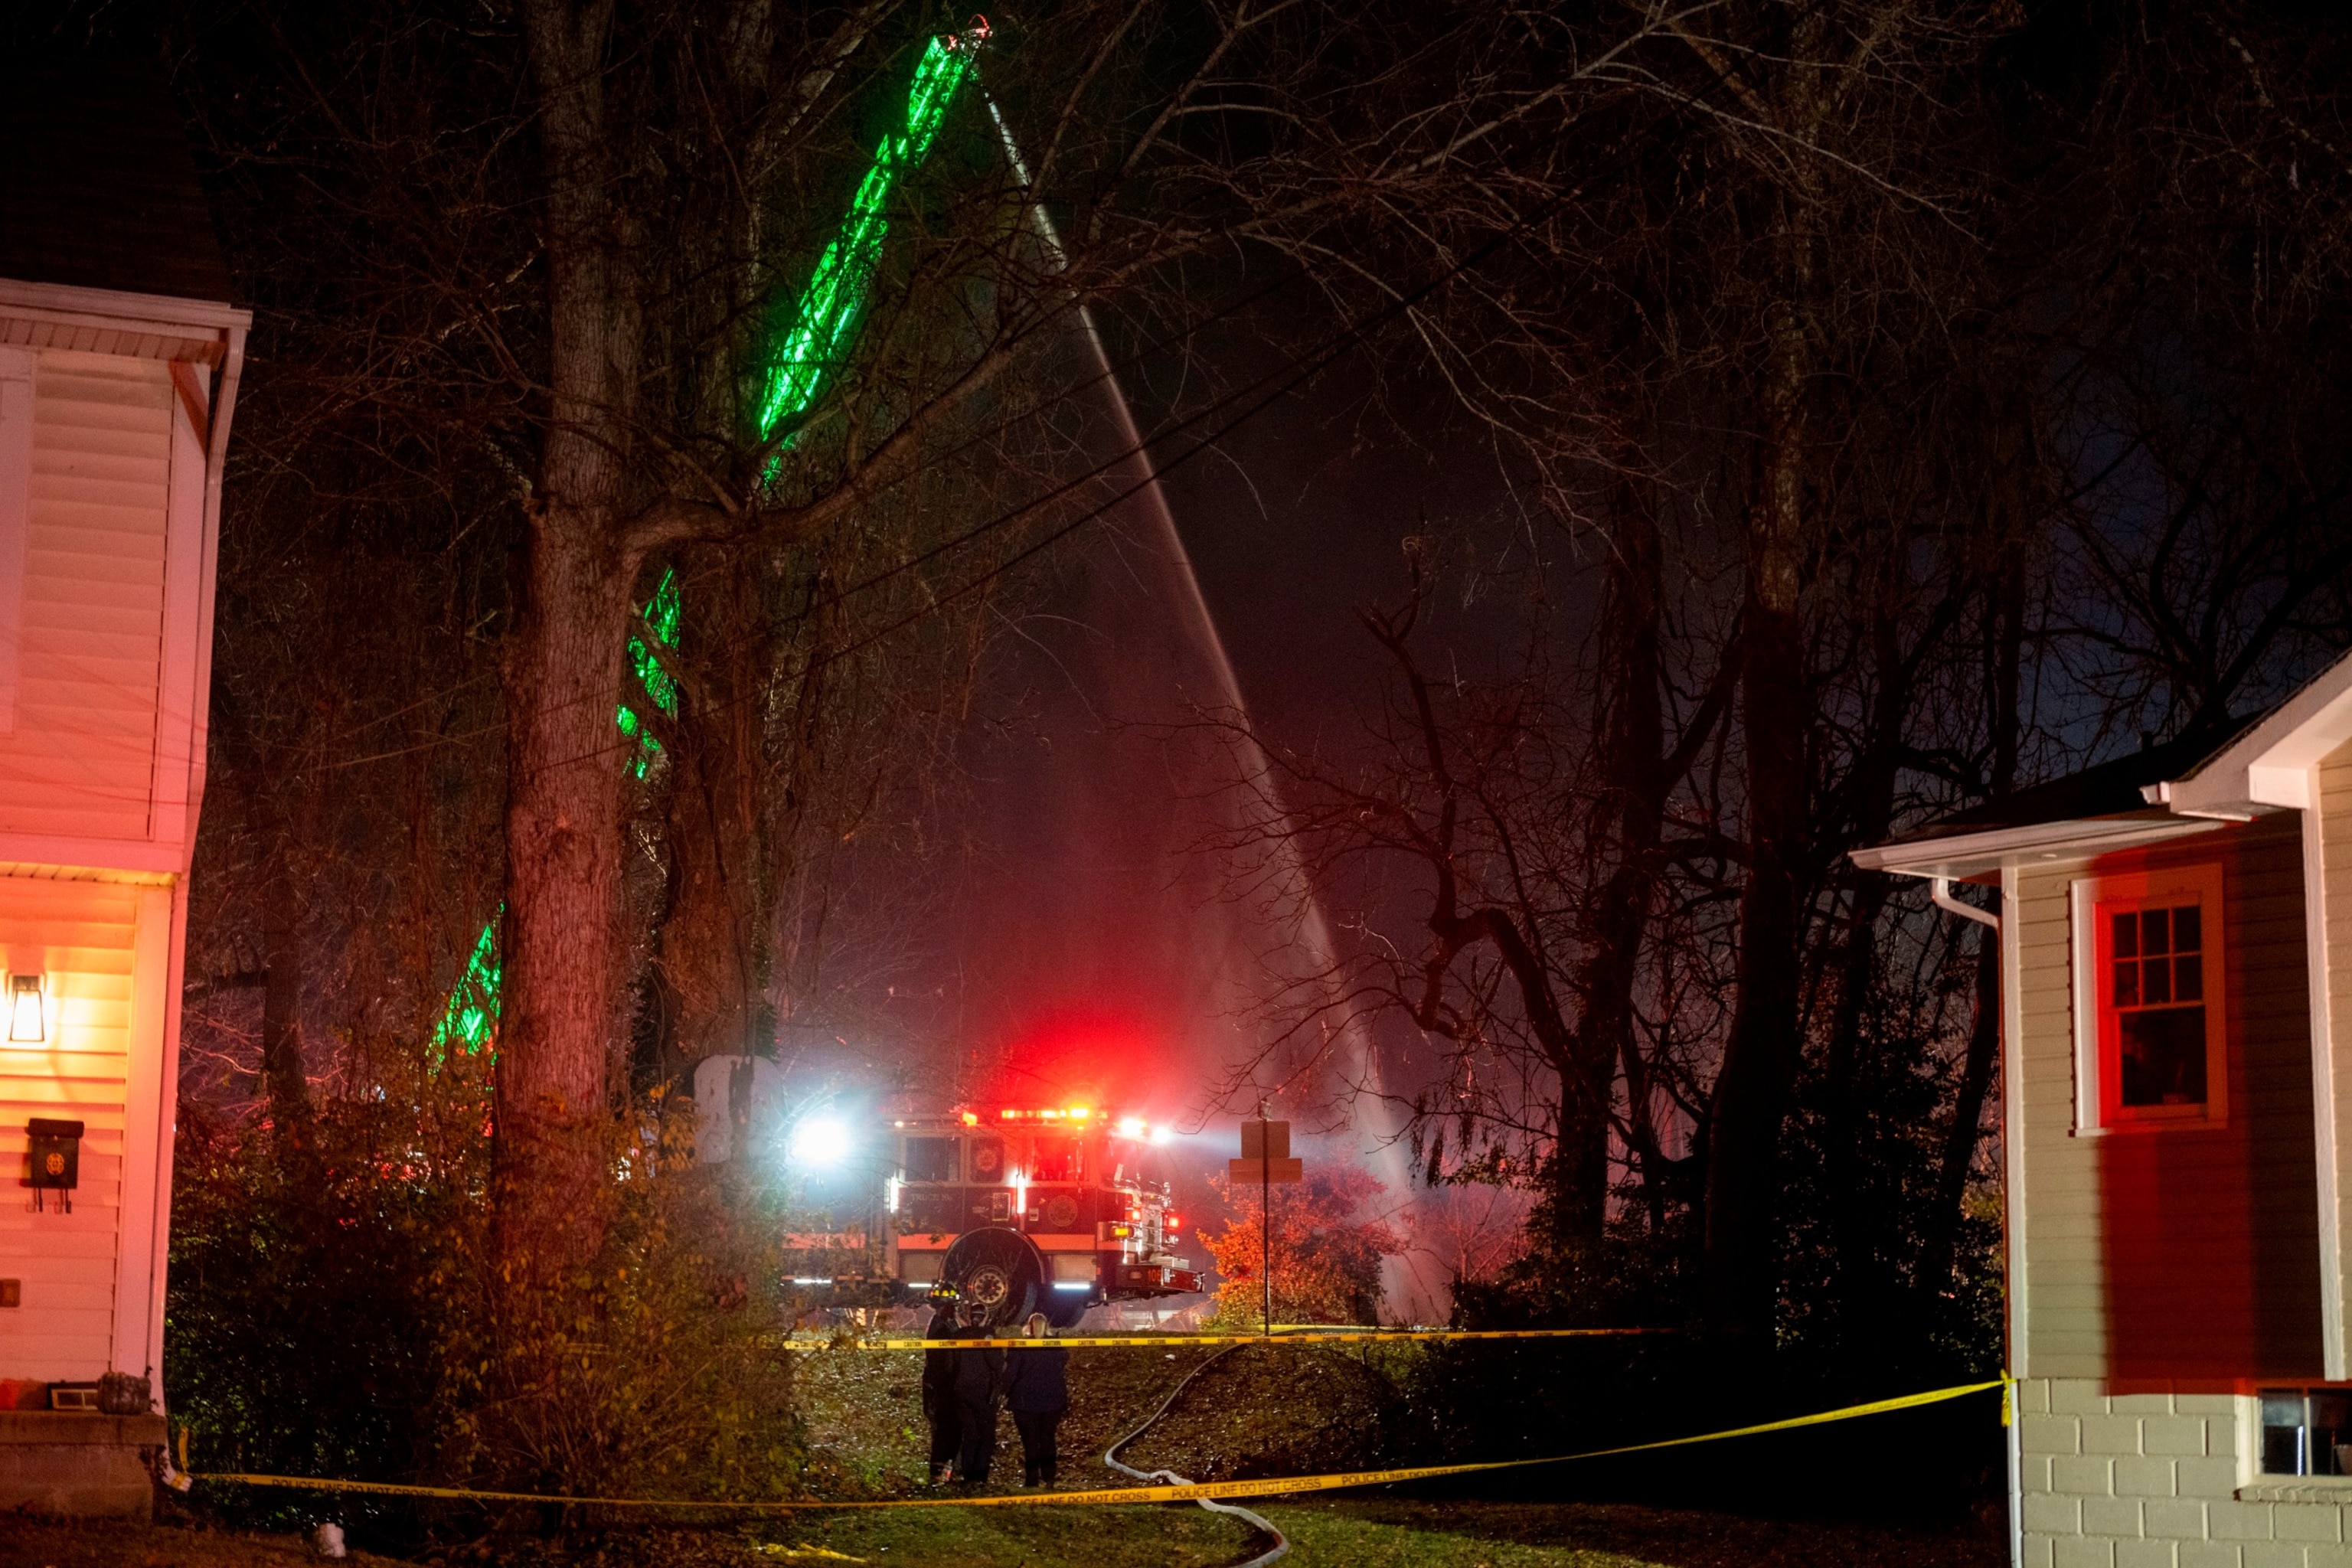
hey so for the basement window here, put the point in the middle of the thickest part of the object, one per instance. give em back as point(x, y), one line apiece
point(2148, 984)
point(2306, 1432)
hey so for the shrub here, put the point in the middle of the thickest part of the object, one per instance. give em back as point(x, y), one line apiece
point(331, 1313)
point(1326, 1255)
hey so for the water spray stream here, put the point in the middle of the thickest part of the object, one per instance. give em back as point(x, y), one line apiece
point(1372, 1119)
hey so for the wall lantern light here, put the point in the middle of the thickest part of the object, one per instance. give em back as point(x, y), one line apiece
point(26, 1024)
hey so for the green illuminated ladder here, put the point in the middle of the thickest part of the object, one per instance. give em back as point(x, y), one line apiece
point(813, 347)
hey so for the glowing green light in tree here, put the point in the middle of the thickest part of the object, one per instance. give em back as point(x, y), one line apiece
point(812, 346)
point(660, 616)
point(472, 1016)
point(818, 339)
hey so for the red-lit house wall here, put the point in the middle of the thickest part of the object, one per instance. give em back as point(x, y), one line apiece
point(2210, 1235)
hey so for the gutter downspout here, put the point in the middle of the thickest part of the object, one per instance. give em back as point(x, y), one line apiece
point(1939, 889)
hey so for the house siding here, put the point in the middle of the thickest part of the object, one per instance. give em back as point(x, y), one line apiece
point(84, 935)
point(81, 761)
point(2175, 1258)
point(113, 417)
point(2166, 1275)
point(2063, 1317)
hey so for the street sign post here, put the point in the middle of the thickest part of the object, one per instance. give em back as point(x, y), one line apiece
point(1265, 1158)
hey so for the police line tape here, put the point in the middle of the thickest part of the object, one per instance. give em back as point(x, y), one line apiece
point(1197, 1491)
point(1164, 1341)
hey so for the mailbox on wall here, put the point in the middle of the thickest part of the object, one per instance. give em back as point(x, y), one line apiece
point(55, 1160)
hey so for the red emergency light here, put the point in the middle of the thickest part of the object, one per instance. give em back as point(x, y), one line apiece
point(1115, 1123)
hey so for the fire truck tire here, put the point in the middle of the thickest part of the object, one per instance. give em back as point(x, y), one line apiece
point(997, 1270)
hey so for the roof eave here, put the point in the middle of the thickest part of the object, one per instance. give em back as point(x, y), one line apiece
point(111, 320)
point(76, 299)
point(2269, 767)
point(1964, 855)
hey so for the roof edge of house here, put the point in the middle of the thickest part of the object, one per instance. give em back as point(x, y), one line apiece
point(2268, 766)
point(2184, 786)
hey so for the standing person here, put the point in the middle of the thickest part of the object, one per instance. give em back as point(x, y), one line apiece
point(940, 1397)
point(979, 1384)
point(1037, 1391)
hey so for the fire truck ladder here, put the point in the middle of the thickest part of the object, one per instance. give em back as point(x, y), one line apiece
point(817, 338)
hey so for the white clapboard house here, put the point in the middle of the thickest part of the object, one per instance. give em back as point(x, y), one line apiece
point(2175, 944)
point(119, 357)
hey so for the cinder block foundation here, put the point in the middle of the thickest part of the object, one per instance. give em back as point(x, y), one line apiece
point(78, 1466)
point(2164, 1480)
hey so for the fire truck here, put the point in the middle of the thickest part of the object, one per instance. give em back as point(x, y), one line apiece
point(1014, 1211)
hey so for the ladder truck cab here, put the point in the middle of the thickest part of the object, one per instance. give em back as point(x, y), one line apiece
point(1022, 1210)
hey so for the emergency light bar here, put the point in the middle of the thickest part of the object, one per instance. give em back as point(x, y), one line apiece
point(1130, 1127)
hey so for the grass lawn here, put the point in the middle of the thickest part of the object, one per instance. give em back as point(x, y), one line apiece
point(1383, 1533)
point(1372, 1533)
point(29, 1543)
point(1291, 1411)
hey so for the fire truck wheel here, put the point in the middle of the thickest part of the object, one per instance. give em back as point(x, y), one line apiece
point(996, 1270)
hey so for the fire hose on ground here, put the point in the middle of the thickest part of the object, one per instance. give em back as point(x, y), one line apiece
point(1169, 1478)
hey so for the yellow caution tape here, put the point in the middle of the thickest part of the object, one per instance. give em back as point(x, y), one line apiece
point(804, 1550)
point(1172, 1341)
point(1274, 1485)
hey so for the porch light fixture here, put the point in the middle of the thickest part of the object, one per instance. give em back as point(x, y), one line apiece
point(27, 1023)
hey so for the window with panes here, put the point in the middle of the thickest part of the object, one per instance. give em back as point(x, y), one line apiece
point(2152, 991)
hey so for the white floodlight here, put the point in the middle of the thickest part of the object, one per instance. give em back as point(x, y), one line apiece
point(818, 1143)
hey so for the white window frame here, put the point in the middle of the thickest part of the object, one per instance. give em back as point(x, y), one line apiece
point(2201, 882)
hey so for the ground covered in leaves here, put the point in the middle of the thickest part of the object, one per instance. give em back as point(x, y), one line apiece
point(26, 1541)
point(1381, 1533)
point(1257, 1411)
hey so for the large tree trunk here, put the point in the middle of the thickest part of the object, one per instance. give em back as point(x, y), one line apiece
point(1633, 812)
point(1576, 1178)
point(281, 992)
point(711, 954)
point(562, 677)
point(1942, 1240)
point(559, 1013)
point(1760, 1059)
point(1855, 1226)
point(2007, 644)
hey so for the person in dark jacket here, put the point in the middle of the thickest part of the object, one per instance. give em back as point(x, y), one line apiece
point(1037, 1391)
point(940, 1397)
point(978, 1385)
